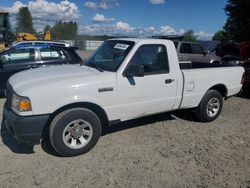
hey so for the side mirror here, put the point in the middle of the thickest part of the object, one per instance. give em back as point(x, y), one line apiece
point(134, 71)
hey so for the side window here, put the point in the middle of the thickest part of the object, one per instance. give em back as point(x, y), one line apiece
point(53, 54)
point(185, 48)
point(18, 56)
point(196, 49)
point(153, 57)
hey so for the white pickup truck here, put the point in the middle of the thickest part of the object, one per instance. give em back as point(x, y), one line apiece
point(122, 80)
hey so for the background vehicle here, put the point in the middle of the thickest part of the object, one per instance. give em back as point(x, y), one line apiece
point(124, 79)
point(190, 51)
point(245, 57)
point(26, 56)
point(234, 54)
point(21, 36)
point(39, 42)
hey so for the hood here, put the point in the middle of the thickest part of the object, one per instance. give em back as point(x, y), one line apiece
point(63, 75)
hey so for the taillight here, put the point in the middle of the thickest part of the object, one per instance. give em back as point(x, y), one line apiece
point(242, 79)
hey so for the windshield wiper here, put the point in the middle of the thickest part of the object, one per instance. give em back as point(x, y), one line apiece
point(94, 65)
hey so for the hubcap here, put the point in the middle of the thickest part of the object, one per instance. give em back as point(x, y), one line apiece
point(77, 134)
point(213, 107)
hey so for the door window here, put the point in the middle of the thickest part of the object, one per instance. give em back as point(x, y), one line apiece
point(18, 56)
point(153, 57)
point(197, 49)
point(185, 48)
point(52, 54)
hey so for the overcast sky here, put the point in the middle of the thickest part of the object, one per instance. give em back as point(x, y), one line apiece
point(127, 17)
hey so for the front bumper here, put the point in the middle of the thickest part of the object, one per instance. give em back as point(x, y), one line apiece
point(26, 129)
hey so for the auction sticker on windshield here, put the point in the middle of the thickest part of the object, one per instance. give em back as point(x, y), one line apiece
point(121, 46)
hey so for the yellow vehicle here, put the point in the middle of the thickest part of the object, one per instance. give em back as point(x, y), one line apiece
point(7, 37)
point(21, 36)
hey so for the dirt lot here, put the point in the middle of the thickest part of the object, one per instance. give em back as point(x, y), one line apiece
point(167, 150)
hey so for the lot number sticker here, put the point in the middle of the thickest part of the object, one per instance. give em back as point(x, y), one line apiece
point(121, 46)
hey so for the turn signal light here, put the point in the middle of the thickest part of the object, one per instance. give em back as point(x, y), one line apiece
point(24, 105)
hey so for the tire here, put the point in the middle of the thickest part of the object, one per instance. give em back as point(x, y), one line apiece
point(210, 106)
point(75, 131)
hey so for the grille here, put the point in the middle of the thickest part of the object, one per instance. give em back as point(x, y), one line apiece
point(9, 92)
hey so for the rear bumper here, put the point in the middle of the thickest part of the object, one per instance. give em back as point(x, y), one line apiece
point(26, 129)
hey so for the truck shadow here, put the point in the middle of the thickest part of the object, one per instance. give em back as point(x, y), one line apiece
point(21, 148)
point(182, 114)
point(167, 116)
point(46, 146)
point(137, 123)
point(13, 144)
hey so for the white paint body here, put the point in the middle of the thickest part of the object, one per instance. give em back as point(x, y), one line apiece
point(51, 88)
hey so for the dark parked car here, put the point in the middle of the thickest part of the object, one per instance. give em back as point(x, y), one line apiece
point(245, 56)
point(23, 57)
point(40, 42)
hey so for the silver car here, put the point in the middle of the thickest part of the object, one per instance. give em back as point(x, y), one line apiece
point(190, 51)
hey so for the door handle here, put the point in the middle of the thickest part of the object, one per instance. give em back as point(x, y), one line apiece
point(168, 81)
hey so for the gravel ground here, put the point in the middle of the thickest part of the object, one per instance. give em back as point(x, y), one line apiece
point(166, 150)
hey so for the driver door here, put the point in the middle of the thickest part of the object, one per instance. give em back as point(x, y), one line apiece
point(152, 93)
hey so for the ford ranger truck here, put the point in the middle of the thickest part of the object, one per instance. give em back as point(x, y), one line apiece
point(124, 79)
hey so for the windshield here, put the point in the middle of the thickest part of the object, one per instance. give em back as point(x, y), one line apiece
point(110, 55)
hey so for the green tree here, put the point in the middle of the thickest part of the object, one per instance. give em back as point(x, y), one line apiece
point(189, 36)
point(220, 36)
point(237, 26)
point(47, 28)
point(24, 21)
point(63, 30)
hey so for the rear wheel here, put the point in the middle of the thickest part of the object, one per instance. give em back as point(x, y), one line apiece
point(75, 131)
point(210, 106)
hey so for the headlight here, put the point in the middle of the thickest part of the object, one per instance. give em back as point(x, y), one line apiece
point(21, 104)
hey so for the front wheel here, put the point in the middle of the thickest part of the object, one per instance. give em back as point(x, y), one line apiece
point(210, 106)
point(75, 131)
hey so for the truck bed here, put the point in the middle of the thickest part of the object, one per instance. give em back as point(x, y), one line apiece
point(200, 65)
point(199, 77)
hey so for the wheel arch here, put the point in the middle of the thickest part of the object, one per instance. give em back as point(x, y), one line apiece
point(99, 111)
point(220, 88)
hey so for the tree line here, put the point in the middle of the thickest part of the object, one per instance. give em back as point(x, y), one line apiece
point(59, 31)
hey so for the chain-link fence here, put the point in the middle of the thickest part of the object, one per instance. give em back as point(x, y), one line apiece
point(88, 45)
